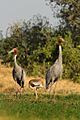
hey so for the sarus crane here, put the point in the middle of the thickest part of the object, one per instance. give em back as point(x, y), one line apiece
point(18, 72)
point(55, 71)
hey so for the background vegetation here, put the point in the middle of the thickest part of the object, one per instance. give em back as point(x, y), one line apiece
point(36, 41)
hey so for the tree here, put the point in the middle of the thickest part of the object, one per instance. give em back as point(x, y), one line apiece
point(32, 38)
point(71, 60)
point(69, 12)
point(37, 47)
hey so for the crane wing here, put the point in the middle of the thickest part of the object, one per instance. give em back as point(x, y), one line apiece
point(56, 69)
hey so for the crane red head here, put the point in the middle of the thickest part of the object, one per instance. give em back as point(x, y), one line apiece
point(14, 50)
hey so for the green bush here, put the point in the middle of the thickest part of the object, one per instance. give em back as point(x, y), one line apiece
point(38, 49)
point(71, 61)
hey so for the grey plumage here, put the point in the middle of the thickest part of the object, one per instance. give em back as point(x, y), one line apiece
point(18, 75)
point(55, 71)
point(18, 72)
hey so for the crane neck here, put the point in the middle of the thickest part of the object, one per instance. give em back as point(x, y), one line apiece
point(15, 62)
point(60, 54)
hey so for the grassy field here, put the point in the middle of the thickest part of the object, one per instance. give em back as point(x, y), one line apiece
point(45, 108)
point(65, 106)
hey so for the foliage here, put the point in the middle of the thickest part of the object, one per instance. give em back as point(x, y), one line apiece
point(37, 47)
point(71, 60)
point(32, 40)
point(69, 12)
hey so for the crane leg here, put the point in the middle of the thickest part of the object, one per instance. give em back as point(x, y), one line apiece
point(50, 89)
point(54, 91)
point(17, 91)
point(21, 89)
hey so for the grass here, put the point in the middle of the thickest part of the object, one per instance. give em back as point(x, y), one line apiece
point(63, 107)
point(45, 108)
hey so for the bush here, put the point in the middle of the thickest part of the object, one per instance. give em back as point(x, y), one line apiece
point(71, 61)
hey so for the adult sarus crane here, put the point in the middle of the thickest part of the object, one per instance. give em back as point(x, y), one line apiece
point(18, 72)
point(55, 71)
point(35, 84)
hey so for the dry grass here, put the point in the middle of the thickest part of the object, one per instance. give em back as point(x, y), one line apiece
point(68, 107)
point(7, 84)
point(6, 118)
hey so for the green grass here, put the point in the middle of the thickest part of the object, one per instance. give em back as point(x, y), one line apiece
point(45, 108)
